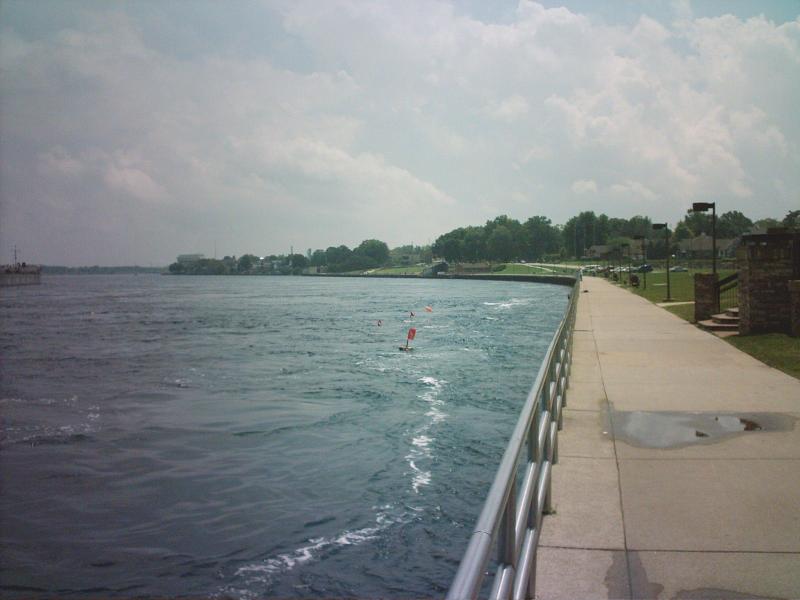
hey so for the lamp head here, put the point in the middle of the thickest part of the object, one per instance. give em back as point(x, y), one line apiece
point(659, 225)
point(702, 206)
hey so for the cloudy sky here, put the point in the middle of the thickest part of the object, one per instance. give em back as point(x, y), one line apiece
point(134, 131)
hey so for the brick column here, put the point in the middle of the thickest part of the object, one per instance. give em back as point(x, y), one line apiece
point(705, 295)
point(794, 310)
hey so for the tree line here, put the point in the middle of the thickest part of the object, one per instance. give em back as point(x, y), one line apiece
point(537, 239)
point(501, 239)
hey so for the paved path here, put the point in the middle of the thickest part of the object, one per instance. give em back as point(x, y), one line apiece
point(711, 517)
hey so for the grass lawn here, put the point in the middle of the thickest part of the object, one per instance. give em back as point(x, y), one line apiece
point(410, 270)
point(774, 349)
point(518, 269)
point(681, 285)
point(684, 311)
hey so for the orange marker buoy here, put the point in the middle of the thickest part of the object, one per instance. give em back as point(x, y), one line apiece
point(429, 308)
point(412, 333)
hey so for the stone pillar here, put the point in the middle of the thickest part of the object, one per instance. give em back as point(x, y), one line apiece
point(705, 296)
point(771, 261)
point(794, 292)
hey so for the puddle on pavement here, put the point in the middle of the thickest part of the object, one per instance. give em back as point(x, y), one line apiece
point(678, 429)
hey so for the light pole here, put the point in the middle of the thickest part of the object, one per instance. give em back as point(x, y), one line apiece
point(628, 246)
point(703, 207)
point(644, 255)
point(666, 231)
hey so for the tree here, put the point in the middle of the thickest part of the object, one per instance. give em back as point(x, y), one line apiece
point(298, 261)
point(513, 227)
point(698, 223)
point(792, 219)
point(682, 232)
point(767, 223)
point(425, 254)
point(376, 250)
point(541, 238)
point(500, 244)
point(448, 246)
point(472, 246)
point(639, 225)
point(246, 262)
point(318, 258)
point(732, 224)
point(337, 255)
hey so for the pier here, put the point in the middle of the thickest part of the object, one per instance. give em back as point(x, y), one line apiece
point(679, 463)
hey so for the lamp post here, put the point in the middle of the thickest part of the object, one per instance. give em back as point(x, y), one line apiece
point(703, 207)
point(628, 246)
point(644, 255)
point(666, 231)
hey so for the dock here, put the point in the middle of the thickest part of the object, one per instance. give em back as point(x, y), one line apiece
point(679, 463)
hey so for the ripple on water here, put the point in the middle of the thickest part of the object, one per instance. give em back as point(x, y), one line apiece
point(273, 442)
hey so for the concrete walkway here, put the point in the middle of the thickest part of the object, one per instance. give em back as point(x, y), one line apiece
point(651, 500)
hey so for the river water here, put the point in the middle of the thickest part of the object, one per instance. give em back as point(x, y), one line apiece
point(248, 437)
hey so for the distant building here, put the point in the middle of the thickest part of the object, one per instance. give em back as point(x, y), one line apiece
point(187, 259)
point(598, 251)
point(701, 247)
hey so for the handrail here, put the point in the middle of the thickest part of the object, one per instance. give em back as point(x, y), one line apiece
point(725, 285)
point(511, 517)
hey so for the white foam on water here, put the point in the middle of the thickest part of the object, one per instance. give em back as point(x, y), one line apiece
point(420, 449)
point(508, 303)
point(263, 573)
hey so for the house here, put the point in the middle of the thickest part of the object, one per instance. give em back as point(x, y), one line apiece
point(599, 251)
point(701, 247)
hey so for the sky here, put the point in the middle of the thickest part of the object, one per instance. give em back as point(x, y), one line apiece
point(131, 132)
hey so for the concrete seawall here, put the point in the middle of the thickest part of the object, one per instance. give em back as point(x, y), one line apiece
point(554, 279)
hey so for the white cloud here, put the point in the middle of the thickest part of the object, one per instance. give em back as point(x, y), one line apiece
point(633, 190)
point(510, 109)
point(350, 119)
point(584, 186)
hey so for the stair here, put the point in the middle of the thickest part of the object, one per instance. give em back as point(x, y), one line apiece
point(723, 324)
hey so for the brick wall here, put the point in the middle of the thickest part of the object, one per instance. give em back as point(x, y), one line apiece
point(705, 295)
point(767, 264)
point(794, 292)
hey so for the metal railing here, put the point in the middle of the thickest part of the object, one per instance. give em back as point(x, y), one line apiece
point(728, 292)
point(511, 518)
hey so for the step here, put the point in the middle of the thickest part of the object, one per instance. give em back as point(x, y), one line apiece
point(734, 312)
point(714, 326)
point(725, 319)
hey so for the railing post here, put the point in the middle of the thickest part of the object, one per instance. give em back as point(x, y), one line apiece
point(507, 544)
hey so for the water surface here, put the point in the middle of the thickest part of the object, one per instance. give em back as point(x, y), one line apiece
point(250, 437)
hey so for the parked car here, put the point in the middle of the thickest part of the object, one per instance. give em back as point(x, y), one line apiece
point(678, 269)
point(644, 268)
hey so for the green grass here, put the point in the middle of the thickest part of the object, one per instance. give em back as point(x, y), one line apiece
point(681, 285)
point(684, 311)
point(410, 270)
point(774, 349)
point(517, 269)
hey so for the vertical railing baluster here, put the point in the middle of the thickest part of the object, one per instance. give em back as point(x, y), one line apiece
point(506, 546)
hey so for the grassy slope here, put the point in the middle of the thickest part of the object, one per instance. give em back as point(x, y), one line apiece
point(775, 349)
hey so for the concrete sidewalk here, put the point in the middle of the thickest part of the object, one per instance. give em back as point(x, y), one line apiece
point(653, 500)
